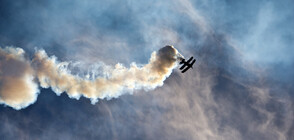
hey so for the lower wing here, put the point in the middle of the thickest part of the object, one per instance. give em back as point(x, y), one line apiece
point(184, 65)
point(186, 69)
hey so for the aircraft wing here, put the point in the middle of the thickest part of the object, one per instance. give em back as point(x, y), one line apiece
point(193, 62)
point(190, 60)
point(183, 66)
point(186, 69)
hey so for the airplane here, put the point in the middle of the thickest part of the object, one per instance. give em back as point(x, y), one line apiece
point(187, 63)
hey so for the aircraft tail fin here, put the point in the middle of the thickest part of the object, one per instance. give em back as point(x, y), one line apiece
point(183, 61)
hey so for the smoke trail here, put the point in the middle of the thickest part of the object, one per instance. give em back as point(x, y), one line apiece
point(18, 88)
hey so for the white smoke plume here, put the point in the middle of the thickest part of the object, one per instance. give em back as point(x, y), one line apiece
point(17, 86)
point(19, 77)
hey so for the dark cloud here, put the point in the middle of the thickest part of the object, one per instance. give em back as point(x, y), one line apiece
point(240, 88)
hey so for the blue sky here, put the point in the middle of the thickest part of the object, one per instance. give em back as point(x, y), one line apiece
point(241, 86)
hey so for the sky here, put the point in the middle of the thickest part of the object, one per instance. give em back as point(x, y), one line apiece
point(241, 86)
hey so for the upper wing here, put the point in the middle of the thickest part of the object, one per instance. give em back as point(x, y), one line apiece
point(193, 62)
point(190, 60)
point(184, 65)
point(186, 69)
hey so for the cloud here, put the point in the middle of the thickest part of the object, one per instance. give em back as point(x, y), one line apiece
point(226, 96)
